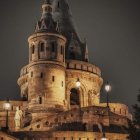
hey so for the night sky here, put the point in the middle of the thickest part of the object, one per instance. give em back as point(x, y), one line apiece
point(112, 30)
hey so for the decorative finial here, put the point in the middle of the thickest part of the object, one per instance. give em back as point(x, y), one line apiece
point(86, 51)
point(47, 8)
point(57, 27)
point(47, 2)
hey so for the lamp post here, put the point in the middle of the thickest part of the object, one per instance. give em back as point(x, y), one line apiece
point(103, 137)
point(7, 107)
point(107, 89)
point(78, 84)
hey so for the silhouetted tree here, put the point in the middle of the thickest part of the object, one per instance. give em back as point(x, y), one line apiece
point(134, 126)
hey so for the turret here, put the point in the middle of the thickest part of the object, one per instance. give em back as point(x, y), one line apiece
point(46, 69)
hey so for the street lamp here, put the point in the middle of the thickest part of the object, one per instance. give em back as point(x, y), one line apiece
point(103, 137)
point(78, 83)
point(107, 89)
point(7, 107)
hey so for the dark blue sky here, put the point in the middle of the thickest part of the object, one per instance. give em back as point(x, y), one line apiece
point(112, 30)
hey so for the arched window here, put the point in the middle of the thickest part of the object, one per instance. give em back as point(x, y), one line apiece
point(31, 74)
point(58, 4)
point(61, 49)
point(46, 9)
point(120, 111)
point(42, 47)
point(41, 75)
point(53, 78)
point(33, 49)
point(24, 97)
point(114, 109)
point(74, 97)
point(40, 100)
point(53, 46)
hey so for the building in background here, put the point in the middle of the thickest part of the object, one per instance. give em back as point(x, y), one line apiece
point(60, 89)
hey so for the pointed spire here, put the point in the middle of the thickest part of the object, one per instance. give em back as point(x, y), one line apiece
point(57, 27)
point(46, 23)
point(72, 41)
point(62, 7)
point(86, 51)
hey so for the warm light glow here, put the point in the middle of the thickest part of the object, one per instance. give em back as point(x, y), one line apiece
point(107, 87)
point(103, 137)
point(78, 83)
point(7, 106)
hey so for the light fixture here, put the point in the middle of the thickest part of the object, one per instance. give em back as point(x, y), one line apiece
point(7, 107)
point(107, 87)
point(78, 83)
point(103, 137)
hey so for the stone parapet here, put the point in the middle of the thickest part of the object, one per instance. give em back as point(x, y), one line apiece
point(24, 71)
point(5, 136)
point(83, 66)
point(118, 108)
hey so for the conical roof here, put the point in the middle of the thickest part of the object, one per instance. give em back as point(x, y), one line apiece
point(63, 15)
point(47, 23)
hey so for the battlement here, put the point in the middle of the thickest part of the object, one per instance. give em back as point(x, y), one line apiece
point(72, 64)
point(83, 66)
point(118, 108)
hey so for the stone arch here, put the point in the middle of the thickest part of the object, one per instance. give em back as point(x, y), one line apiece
point(41, 47)
point(74, 97)
point(31, 50)
point(82, 93)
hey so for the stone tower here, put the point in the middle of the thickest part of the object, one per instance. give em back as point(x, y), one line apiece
point(57, 58)
point(54, 107)
point(77, 61)
point(43, 81)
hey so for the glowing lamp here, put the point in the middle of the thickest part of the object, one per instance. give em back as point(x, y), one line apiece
point(107, 87)
point(103, 137)
point(7, 105)
point(7, 108)
point(78, 83)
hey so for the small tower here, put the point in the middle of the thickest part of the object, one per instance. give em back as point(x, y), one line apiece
point(46, 69)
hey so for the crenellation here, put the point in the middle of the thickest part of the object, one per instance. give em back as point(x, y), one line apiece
point(83, 66)
point(116, 107)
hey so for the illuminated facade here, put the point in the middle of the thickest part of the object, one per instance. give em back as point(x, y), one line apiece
point(53, 107)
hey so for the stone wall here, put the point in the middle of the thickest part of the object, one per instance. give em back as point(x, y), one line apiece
point(4, 136)
point(85, 117)
point(87, 136)
point(118, 108)
point(90, 79)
